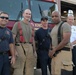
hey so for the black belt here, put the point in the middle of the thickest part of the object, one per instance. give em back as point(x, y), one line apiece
point(26, 42)
point(17, 44)
point(2, 53)
point(65, 49)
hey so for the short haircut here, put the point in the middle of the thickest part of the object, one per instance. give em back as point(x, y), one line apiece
point(2, 12)
point(44, 18)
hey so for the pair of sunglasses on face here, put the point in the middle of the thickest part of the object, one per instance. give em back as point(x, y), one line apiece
point(3, 17)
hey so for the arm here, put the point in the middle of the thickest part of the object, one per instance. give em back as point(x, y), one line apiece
point(14, 36)
point(34, 46)
point(15, 32)
point(35, 40)
point(66, 37)
point(12, 51)
point(33, 35)
point(66, 32)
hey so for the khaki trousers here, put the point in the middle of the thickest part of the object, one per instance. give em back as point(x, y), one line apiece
point(63, 61)
point(24, 62)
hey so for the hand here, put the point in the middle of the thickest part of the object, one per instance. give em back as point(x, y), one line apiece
point(71, 46)
point(51, 53)
point(16, 53)
point(13, 59)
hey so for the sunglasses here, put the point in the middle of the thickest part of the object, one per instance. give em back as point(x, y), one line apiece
point(3, 17)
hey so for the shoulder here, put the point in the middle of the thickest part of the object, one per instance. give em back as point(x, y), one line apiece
point(38, 31)
point(16, 23)
point(66, 27)
point(15, 28)
point(66, 24)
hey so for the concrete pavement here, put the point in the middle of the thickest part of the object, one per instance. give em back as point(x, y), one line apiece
point(38, 72)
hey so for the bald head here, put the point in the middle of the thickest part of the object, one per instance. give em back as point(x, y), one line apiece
point(70, 19)
point(27, 14)
point(27, 10)
point(56, 12)
point(56, 17)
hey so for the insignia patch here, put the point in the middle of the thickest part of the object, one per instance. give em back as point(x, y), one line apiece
point(7, 32)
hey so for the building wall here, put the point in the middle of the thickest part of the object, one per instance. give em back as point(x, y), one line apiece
point(70, 1)
point(68, 4)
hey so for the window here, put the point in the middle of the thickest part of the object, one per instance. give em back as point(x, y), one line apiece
point(13, 7)
point(41, 8)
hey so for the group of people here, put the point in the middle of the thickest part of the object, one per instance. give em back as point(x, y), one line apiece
point(55, 47)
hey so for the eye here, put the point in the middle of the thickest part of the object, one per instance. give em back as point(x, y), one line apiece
point(28, 13)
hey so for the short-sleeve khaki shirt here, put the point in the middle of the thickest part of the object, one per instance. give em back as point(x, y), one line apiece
point(26, 29)
point(65, 28)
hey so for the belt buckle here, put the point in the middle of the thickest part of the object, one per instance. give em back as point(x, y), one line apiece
point(17, 44)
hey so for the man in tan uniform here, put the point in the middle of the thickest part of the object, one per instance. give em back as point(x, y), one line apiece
point(25, 55)
point(62, 62)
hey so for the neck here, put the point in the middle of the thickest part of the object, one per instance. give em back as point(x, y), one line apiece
point(70, 24)
point(26, 21)
point(45, 27)
point(3, 26)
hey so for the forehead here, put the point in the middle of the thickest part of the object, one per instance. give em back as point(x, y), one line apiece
point(70, 17)
point(27, 11)
point(55, 14)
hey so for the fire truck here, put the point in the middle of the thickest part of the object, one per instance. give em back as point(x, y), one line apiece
point(39, 8)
